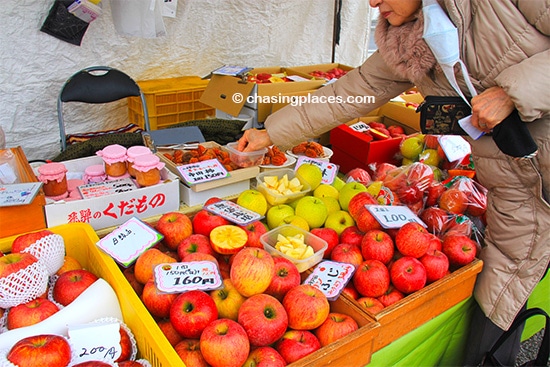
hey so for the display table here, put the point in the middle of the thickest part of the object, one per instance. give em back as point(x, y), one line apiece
point(441, 341)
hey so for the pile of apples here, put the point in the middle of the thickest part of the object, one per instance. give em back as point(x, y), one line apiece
point(67, 282)
point(261, 316)
point(379, 131)
point(334, 73)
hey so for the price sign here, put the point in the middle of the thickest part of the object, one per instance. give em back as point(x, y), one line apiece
point(109, 187)
point(204, 171)
point(330, 277)
point(128, 241)
point(95, 341)
point(233, 212)
point(455, 147)
point(360, 127)
point(329, 170)
point(393, 216)
point(186, 276)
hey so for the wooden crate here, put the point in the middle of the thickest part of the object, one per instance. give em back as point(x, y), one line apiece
point(23, 218)
point(422, 306)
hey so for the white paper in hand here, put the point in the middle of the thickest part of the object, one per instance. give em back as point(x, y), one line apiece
point(466, 125)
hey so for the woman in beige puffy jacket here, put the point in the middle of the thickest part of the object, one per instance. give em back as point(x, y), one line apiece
point(505, 45)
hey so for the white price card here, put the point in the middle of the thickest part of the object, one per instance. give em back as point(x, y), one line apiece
point(95, 341)
point(204, 171)
point(186, 276)
point(329, 170)
point(330, 277)
point(233, 212)
point(455, 147)
point(129, 240)
point(393, 216)
point(105, 188)
point(18, 194)
point(360, 127)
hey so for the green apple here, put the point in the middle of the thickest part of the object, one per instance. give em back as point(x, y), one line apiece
point(332, 204)
point(295, 221)
point(338, 183)
point(253, 200)
point(411, 147)
point(407, 161)
point(311, 173)
point(313, 210)
point(349, 190)
point(326, 190)
point(277, 213)
point(430, 157)
point(339, 221)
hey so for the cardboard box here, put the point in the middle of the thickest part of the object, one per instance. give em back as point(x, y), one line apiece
point(237, 182)
point(115, 209)
point(305, 70)
point(221, 89)
point(399, 111)
point(22, 218)
point(354, 149)
point(421, 306)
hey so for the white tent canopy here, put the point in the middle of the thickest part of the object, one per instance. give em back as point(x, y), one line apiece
point(203, 35)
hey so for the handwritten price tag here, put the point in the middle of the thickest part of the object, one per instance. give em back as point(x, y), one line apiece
point(95, 341)
point(330, 277)
point(109, 187)
point(233, 212)
point(393, 216)
point(360, 127)
point(329, 170)
point(128, 241)
point(204, 171)
point(186, 276)
point(455, 147)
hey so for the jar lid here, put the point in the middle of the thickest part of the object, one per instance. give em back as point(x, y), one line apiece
point(53, 168)
point(95, 170)
point(146, 162)
point(136, 150)
point(113, 153)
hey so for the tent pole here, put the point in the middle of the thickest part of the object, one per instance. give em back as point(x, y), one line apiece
point(336, 28)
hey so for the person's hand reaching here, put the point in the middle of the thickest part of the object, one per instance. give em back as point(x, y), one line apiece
point(490, 108)
point(253, 140)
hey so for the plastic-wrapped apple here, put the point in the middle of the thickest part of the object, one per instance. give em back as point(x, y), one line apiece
point(411, 147)
point(430, 157)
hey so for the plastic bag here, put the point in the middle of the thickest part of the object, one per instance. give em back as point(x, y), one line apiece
point(141, 18)
point(8, 168)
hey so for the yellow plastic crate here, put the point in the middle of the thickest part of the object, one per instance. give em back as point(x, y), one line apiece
point(80, 243)
point(170, 101)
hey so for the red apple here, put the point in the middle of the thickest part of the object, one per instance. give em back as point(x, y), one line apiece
point(431, 141)
point(335, 327)
point(146, 262)
point(228, 300)
point(412, 240)
point(254, 231)
point(263, 318)
point(435, 243)
point(330, 236)
point(454, 201)
point(41, 350)
point(131, 278)
point(408, 274)
point(366, 221)
point(189, 351)
point(195, 243)
point(381, 169)
point(391, 296)
point(286, 277)
point(13, 262)
point(395, 129)
point(347, 253)
point(264, 357)
point(224, 343)
point(126, 346)
point(169, 331)
point(252, 271)
point(174, 226)
point(433, 193)
point(461, 250)
point(457, 224)
point(204, 222)
point(307, 307)
point(377, 245)
point(359, 175)
point(352, 235)
point(436, 264)
point(130, 363)
point(92, 364)
point(199, 256)
point(71, 284)
point(371, 304)
point(191, 312)
point(157, 302)
point(350, 291)
point(30, 313)
point(212, 200)
point(477, 203)
point(434, 218)
point(357, 204)
point(296, 344)
point(23, 241)
point(371, 279)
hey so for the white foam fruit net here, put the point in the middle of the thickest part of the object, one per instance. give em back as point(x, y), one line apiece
point(49, 249)
point(24, 285)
